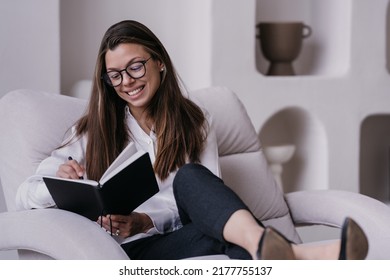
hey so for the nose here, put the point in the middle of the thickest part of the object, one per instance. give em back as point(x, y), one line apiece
point(127, 79)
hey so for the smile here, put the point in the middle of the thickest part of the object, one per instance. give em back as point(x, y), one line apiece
point(136, 91)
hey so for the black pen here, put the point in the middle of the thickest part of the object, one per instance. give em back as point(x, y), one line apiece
point(70, 158)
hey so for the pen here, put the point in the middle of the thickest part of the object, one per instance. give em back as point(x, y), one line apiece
point(70, 158)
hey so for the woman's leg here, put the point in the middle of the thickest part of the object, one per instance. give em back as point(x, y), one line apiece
point(186, 242)
point(243, 230)
point(205, 205)
point(204, 200)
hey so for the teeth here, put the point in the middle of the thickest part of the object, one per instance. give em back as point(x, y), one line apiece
point(134, 92)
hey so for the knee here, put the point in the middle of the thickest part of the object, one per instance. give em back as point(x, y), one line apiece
point(189, 169)
point(186, 171)
point(193, 174)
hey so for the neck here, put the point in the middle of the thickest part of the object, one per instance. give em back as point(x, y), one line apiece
point(143, 120)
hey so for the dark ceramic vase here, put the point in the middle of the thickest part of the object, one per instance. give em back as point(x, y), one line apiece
point(281, 43)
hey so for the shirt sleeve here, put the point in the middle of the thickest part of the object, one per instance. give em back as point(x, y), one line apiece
point(33, 193)
point(162, 209)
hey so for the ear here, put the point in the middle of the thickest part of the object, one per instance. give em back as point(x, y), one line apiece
point(163, 71)
point(161, 66)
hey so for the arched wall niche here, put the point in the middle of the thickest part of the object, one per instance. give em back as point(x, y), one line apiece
point(308, 167)
point(375, 157)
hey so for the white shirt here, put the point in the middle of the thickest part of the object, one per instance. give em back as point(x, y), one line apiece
point(161, 208)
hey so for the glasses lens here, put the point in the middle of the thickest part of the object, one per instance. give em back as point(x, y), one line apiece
point(136, 70)
point(113, 78)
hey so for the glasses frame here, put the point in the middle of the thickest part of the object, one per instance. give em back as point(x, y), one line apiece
point(108, 81)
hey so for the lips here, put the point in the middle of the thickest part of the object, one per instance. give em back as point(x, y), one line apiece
point(135, 91)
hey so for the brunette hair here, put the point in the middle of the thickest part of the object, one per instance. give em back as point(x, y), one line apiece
point(179, 124)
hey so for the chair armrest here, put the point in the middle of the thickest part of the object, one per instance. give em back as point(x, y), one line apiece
point(58, 234)
point(330, 207)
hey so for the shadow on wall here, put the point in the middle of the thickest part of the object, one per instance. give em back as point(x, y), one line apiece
point(308, 167)
point(375, 157)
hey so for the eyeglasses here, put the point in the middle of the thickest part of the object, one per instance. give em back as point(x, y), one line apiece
point(136, 70)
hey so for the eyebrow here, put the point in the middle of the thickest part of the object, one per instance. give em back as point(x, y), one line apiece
point(134, 59)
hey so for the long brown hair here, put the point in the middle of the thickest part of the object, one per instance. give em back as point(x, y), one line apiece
point(180, 124)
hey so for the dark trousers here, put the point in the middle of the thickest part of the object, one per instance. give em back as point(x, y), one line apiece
point(205, 204)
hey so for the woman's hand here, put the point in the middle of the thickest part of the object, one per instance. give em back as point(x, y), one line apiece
point(126, 225)
point(71, 170)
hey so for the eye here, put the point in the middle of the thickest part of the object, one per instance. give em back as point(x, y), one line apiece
point(114, 75)
point(137, 66)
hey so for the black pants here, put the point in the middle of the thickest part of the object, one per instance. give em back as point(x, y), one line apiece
point(205, 204)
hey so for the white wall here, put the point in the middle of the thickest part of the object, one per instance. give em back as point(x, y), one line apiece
point(182, 26)
point(29, 48)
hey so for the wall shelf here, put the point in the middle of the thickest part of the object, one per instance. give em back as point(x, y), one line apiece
point(327, 50)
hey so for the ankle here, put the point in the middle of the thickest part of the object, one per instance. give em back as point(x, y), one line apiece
point(324, 251)
point(251, 241)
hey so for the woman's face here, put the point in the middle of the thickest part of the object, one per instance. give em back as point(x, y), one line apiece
point(136, 92)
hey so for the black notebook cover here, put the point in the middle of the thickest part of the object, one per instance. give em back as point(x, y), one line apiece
point(121, 194)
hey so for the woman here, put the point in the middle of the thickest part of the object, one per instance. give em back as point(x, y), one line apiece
point(136, 97)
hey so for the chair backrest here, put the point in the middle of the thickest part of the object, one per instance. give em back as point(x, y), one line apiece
point(34, 123)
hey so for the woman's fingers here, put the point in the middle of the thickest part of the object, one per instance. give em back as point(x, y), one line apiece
point(70, 170)
point(116, 224)
point(77, 167)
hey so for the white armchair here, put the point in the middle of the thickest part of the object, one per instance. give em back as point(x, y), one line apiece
point(33, 123)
